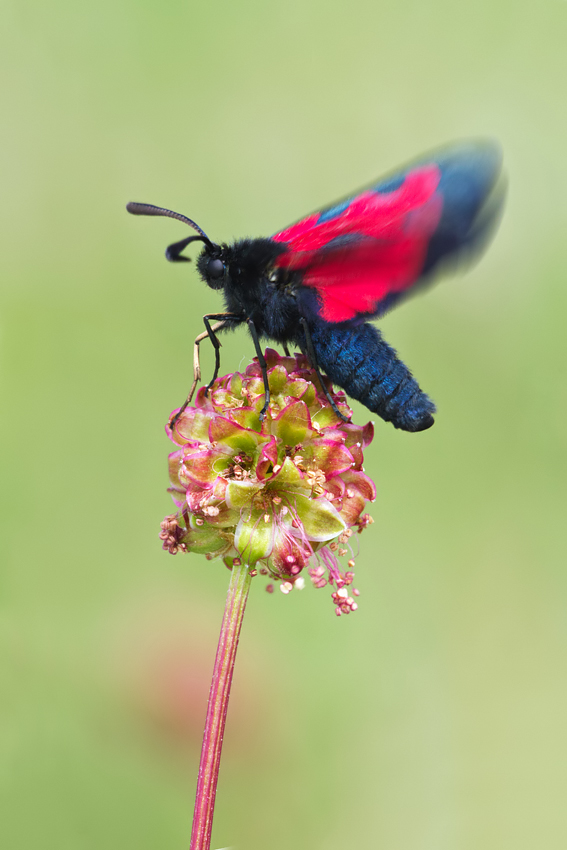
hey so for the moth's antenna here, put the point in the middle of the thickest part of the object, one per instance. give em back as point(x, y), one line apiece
point(150, 209)
point(173, 252)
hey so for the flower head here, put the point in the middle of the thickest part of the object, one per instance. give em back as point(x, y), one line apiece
point(282, 495)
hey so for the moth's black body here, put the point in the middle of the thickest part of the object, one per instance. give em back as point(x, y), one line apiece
point(352, 354)
point(316, 284)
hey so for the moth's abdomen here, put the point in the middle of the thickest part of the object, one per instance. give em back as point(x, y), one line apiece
point(369, 370)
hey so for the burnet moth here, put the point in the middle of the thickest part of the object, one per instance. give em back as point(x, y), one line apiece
point(316, 284)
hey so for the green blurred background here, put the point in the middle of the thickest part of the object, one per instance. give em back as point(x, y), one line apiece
point(433, 719)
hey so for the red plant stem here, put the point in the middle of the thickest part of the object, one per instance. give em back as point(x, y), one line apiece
point(218, 704)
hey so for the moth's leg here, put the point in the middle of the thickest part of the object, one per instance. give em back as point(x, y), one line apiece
point(286, 350)
point(226, 320)
point(215, 341)
point(312, 356)
point(210, 332)
point(263, 367)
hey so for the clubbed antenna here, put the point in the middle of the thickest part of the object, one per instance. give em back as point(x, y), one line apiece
point(150, 209)
point(173, 252)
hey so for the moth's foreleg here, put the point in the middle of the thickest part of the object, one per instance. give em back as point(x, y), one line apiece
point(263, 367)
point(215, 342)
point(313, 358)
point(210, 332)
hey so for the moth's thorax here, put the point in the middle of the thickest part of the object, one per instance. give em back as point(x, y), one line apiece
point(253, 288)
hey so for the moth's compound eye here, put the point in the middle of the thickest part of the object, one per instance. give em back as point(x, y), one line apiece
point(215, 269)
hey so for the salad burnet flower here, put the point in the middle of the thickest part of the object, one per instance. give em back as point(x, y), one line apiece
point(284, 495)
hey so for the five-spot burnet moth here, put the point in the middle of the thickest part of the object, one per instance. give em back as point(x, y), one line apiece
point(316, 284)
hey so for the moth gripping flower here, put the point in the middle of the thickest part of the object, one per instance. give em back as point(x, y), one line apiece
point(283, 495)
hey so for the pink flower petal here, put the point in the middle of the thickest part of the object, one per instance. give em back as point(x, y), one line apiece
point(293, 424)
point(267, 459)
point(247, 417)
point(192, 426)
point(318, 519)
point(277, 379)
point(222, 430)
point(361, 482)
point(288, 474)
point(239, 494)
point(332, 458)
point(202, 467)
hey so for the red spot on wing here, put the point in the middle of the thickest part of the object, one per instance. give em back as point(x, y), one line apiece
point(393, 231)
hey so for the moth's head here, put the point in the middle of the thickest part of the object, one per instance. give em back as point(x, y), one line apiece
point(212, 265)
point(211, 262)
point(243, 264)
